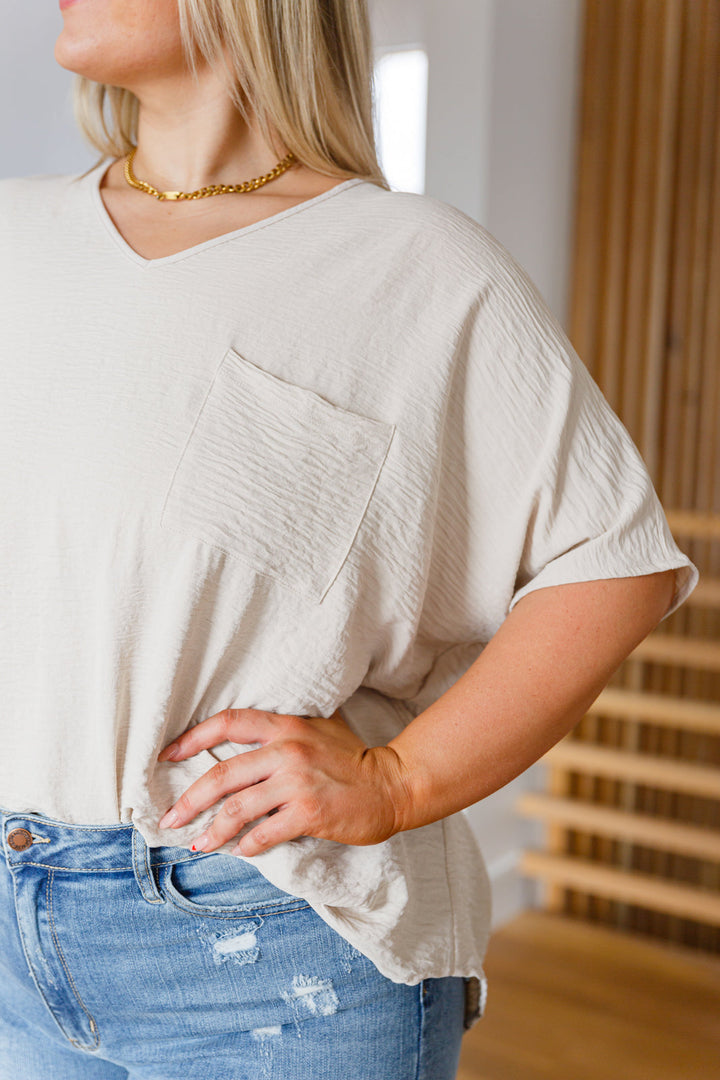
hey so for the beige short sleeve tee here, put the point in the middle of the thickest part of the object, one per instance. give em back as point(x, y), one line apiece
point(312, 463)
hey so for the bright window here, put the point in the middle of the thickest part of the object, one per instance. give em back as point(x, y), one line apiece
point(401, 115)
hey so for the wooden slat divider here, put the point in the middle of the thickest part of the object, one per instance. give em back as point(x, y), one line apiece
point(703, 843)
point(686, 524)
point(642, 767)
point(707, 591)
point(702, 716)
point(679, 651)
point(644, 889)
point(667, 773)
point(667, 100)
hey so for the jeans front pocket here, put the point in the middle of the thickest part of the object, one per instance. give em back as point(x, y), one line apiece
point(224, 886)
point(276, 476)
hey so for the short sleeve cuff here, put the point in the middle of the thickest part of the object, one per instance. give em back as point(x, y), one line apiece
point(587, 564)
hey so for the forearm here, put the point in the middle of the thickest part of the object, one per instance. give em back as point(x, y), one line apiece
point(529, 687)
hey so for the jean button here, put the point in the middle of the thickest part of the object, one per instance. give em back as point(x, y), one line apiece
point(19, 839)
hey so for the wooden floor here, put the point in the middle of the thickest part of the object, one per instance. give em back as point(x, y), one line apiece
point(568, 1000)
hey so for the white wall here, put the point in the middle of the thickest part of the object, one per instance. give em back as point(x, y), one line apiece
point(531, 148)
point(502, 113)
point(38, 131)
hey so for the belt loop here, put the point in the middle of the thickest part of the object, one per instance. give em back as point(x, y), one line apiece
point(143, 871)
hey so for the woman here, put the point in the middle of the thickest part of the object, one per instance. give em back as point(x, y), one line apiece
point(318, 532)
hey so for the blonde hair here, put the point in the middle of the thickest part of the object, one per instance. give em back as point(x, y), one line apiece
point(304, 68)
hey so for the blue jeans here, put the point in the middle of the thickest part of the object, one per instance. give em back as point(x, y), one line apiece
point(119, 962)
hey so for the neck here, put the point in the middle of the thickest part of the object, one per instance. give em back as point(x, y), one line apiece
point(192, 141)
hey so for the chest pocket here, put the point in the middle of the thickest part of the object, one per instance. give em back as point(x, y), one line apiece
point(276, 476)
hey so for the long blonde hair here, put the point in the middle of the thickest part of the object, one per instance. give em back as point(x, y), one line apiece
point(304, 68)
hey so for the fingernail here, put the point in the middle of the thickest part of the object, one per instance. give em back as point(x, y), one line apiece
point(200, 844)
point(170, 819)
point(168, 752)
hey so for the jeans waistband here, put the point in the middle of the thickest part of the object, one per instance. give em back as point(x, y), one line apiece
point(35, 838)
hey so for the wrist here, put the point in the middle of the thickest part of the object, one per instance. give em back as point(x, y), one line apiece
point(398, 785)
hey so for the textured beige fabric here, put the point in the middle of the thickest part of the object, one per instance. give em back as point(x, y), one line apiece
point(311, 463)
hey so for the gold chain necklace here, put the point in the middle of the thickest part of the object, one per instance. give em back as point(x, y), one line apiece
point(212, 189)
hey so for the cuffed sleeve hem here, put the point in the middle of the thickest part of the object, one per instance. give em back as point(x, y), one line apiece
point(576, 566)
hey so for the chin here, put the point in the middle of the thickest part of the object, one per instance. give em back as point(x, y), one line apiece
point(87, 61)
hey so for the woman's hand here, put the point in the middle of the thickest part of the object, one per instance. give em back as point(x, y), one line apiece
point(314, 774)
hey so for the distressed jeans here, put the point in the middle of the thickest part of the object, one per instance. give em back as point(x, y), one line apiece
point(120, 961)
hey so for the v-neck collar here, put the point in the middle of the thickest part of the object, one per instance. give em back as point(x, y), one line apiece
point(94, 179)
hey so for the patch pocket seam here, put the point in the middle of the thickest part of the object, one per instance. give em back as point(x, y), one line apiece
point(188, 440)
point(294, 414)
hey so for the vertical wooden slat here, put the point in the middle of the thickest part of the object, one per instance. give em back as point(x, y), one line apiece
point(618, 173)
point(654, 442)
point(686, 194)
point(708, 470)
point(556, 841)
point(640, 199)
point(697, 467)
point(590, 189)
point(690, 461)
point(642, 104)
point(666, 93)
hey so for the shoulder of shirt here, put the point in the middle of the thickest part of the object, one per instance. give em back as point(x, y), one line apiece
point(468, 270)
point(18, 192)
point(448, 241)
point(35, 182)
